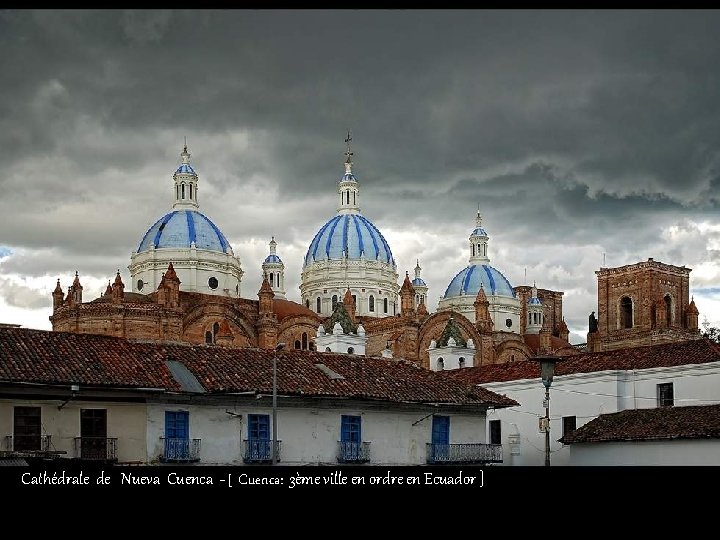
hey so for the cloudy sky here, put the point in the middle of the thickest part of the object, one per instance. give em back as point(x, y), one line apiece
point(578, 133)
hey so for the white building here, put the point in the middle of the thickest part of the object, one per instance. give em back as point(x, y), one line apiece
point(201, 255)
point(588, 385)
point(687, 435)
point(350, 252)
point(122, 401)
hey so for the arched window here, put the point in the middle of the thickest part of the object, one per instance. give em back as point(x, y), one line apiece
point(272, 281)
point(312, 346)
point(307, 304)
point(317, 307)
point(384, 305)
point(461, 362)
point(304, 341)
point(354, 300)
point(668, 310)
point(182, 190)
point(208, 337)
point(354, 198)
point(334, 301)
point(327, 349)
point(297, 343)
point(351, 350)
point(216, 329)
point(441, 364)
point(473, 249)
point(371, 303)
point(190, 191)
point(626, 312)
point(177, 192)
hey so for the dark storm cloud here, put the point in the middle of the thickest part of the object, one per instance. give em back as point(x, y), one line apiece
point(590, 131)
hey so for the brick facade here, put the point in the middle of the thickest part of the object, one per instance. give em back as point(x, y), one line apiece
point(643, 304)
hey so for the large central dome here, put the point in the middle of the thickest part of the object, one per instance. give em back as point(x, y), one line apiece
point(181, 229)
point(349, 236)
point(349, 253)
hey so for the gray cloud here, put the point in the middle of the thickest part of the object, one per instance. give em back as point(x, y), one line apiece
point(578, 132)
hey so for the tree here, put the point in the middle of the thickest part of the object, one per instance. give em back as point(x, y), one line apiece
point(712, 333)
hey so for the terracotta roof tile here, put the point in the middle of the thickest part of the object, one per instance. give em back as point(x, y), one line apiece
point(287, 308)
point(694, 422)
point(699, 351)
point(59, 357)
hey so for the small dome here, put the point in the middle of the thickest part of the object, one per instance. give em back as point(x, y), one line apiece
point(352, 235)
point(185, 168)
point(419, 282)
point(468, 280)
point(534, 301)
point(180, 228)
point(479, 232)
point(272, 259)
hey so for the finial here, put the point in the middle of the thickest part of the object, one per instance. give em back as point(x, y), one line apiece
point(478, 218)
point(185, 154)
point(273, 245)
point(348, 153)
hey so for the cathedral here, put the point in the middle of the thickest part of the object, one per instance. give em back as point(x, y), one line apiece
point(186, 287)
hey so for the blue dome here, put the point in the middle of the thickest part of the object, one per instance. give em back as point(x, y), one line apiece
point(272, 259)
point(479, 232)
point(418, 282)
point(350, 234)
point(534, 301)
point(348, 176)
point(180, 228)
point(468, 281)
point(185, 168)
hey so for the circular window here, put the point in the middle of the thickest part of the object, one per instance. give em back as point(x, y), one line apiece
point(508, 323)
point(213, 283)
point(140, 284)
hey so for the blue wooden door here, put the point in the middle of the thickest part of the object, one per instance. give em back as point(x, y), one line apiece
point(440, 437)
point(350, 437)
point(258, 448)
point(177, 435)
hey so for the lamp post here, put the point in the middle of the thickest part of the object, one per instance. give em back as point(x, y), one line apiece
point(278, 347)
point(547, 370)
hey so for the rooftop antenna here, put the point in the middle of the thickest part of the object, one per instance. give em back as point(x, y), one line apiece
point(603, 258)
point(526, 274)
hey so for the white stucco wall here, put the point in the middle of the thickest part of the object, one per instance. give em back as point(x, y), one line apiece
point(670, 452)
point(311, 435)
point(586, 396)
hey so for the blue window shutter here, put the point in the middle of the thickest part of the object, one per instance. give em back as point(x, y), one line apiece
point(350, 429)
point(258, 427)
point(441, 430)
point(177, 424)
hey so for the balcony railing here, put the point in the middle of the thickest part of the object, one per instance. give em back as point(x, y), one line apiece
point(353, 452)
point(259, 451)
point(29, 444)
point(438, 454)
point(180, 450)
point(96, 448)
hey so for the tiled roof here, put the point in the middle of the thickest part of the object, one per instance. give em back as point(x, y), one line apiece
point(698, 351)
point(287, 308)
point(557, 344)
point(696, 422)
point(38, 356)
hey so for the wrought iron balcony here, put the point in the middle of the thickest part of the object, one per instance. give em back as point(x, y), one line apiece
point(28, 444)
point(259, 451)
point(438, 454)
point(96, 448)
point(353, 452)
point(180, 450)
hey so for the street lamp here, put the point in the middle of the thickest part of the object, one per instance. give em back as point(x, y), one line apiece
point(278, 347)
point(547, 370)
